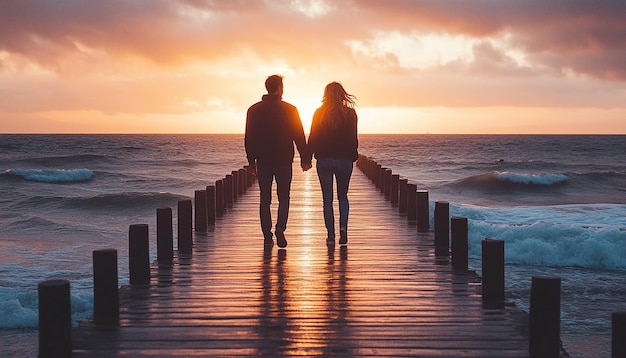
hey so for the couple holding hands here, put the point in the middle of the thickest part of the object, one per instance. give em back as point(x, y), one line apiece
point(273, 126)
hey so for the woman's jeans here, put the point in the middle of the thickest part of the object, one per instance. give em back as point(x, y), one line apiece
point(341, 169)
point(266, 175)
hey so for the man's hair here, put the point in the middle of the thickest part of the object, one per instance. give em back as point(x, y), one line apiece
point(273, 82)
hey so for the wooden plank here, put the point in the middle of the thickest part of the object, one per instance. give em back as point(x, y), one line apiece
point(384, 294)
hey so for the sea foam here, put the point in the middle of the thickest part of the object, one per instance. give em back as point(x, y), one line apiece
point(511, 180)
point(54, 175)
point(531, 179)
point(19, 308)
point(588, 236)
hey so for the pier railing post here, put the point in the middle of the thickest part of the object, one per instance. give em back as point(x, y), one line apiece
point(618, 334)
point(459, 242)
point(185, 236)
point(228, 191)
point(373, 170)
point(378, 176)
point(442, 228)
point(411, 203)
point(138, 254)
point(236, 180)
point(201, 212)
point(387, 183)
point(367, 167)
point(402, 195)
point(106, 304)
point(165, 235)
point(219, 198)
point(249, 177)
point(545, 317)
point(210, 205)
point(423, 211)
point(493, 273)
point(55, 319)
point(395, 178)
point(243, 181)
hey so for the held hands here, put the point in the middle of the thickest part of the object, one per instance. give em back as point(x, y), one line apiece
point(304, 166)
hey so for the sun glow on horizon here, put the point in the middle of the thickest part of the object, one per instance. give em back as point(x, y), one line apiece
point(415, 67)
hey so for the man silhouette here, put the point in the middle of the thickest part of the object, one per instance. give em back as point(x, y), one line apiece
point(272, 127)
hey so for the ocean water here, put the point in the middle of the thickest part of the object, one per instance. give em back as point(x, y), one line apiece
point(558, 202)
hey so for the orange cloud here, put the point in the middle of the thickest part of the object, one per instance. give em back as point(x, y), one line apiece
point(195, 57)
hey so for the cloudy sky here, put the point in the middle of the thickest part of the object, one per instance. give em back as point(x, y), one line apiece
point(423, 66)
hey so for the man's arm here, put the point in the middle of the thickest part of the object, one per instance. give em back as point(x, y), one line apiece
point(250, 143)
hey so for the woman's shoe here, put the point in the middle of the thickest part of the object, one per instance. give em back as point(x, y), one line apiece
point(280, 239)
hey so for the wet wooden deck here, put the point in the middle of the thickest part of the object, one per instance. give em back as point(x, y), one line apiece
point(385, 294)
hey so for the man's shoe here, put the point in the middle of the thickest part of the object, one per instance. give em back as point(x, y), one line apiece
point(343, 237)
point(280, 239)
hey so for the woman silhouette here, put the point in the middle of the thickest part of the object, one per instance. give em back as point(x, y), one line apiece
point(333, 141)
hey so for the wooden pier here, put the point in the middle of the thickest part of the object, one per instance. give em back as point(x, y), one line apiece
point(384, 294)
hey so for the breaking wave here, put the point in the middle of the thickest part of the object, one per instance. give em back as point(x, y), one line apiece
point(500, 179)
point(53, 175)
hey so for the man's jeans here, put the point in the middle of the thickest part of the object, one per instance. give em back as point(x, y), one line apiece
point(341, 169)
point(266, 175)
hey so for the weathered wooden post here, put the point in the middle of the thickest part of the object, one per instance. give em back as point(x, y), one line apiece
point(371, 169)
point(252, 178)
point(249, 176)
point(381, 177)
point(236, 181)
point(165, 235)
point(210, 205)
point(106, 304)
point(138, 254)
point(367, 167)
point(423, 211)
point(243, 181)
point(55, 319)
point(219, 198)
point(185, 235)
point(402, 195)
point(442, 228)
point(544, 336)
point(493, 273)
point(395, 178)
point(228, 190)
point(618, 334)
point(378, 176)
point(387, 183)
point(411, 203)
point(201, 211)
point(459, 242)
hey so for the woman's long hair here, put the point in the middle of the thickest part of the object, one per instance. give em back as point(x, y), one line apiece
point(336, 105)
